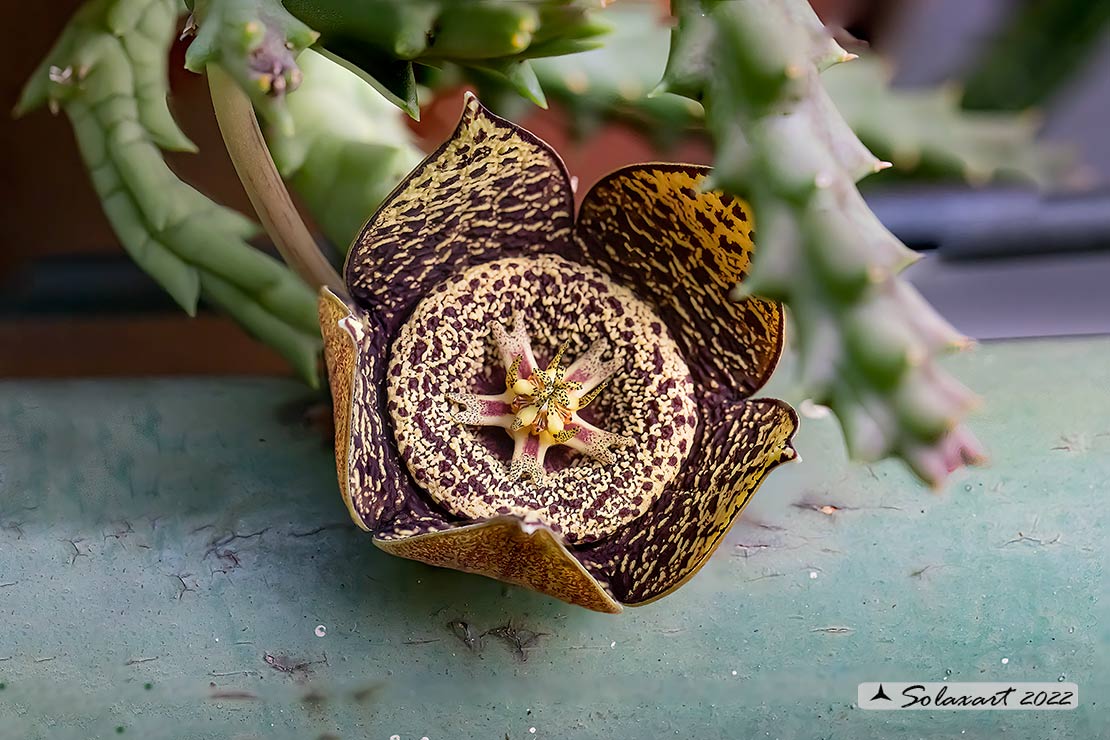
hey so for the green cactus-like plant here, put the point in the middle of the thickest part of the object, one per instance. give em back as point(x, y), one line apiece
point(257, 41)
point(340, 146)
point(923, 131)
point(867, 340)
point(1039, 47)
point(107, 72)
point(348, 151)
point(383, 39)
point(926, 132)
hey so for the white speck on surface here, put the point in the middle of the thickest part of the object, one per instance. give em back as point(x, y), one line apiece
point(812, 575)
point(532, 730)
point(394, 737)
point(320, 630)
point(613, 644)
point(734, 673)
point(217, 639)
point(1005, 661)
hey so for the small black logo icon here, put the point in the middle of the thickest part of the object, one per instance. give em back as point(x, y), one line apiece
point(880, 694)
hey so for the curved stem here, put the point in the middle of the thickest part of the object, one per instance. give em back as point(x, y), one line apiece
point(264, 186)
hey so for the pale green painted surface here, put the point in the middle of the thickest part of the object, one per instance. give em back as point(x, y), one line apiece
point(143, 475)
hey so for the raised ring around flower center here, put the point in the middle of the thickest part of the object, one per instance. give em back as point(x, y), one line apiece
point(590, 444)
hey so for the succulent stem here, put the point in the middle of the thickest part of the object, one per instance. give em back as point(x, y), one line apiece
point(264, 186)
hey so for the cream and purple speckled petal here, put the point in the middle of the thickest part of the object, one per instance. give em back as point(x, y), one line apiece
point(492, 190)
point(508, 549)
point(653, 229)
point(739, 444)
point(372, 479)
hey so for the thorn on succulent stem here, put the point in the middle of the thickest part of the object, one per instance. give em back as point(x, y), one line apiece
point(61, 75)
point(190, 27)
point(877, 274)
point(963, 344)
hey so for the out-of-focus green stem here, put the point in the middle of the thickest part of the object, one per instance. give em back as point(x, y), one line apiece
point(264, 186)
point(348, 150)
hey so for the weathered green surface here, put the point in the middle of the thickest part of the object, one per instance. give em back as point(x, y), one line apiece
point(109, 491)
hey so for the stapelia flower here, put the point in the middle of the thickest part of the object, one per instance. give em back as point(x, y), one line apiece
point(555, 403)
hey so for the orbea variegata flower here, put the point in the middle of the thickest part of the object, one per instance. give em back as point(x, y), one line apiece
point(559, 403)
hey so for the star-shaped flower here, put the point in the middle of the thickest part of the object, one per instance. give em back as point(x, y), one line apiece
point(559, 403)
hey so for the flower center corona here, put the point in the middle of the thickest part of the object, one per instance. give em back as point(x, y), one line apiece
point(539, 408)
point(567, 450)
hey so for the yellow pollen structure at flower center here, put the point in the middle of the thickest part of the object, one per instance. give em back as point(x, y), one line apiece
point(546, 401)
point(540, 406)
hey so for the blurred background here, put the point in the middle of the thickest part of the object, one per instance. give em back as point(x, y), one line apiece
point(1007, 258)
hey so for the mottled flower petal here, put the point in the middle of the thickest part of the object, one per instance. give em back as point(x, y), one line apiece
point(740, 444)
point(508, 549)
point(652, 228)
point(493, 190)
point(372, 478)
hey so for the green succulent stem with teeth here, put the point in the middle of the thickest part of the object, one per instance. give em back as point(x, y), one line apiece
point(108, 73)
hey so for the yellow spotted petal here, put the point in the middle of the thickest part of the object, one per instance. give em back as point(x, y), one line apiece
point(684, 249)
point(739, 446)
point(510, 550)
